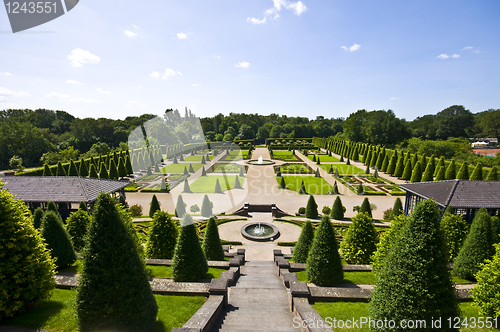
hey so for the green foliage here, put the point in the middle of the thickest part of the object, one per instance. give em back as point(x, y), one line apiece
point(237, 184)
point(212, 246)
point(93, 172)
point(76, 225)
point(194, 208)
point(337, 209)
point(103, 172)
point(162, 237)
point(391, 168)
point(416, 175)
point(60, 170)
point(487, 291)
point(493, 174)
point(477, 174)
point(46, 170)
point(302, 189)
point(324, 266)
point(27, 268)
point(83, 171)
point(366, 208)
point(154, 206)
point(399, 168)
point(440, 174)
point(301, 249)
point(51, 206)
point(428, 174)
point(302, 210)
point(326, 210)
point(397, 209)
point(358, 244)
point(387, 239)
point(187, 189)
point(206, 207)
point(463, 172)
point(57, 239)
point(454, 229)
point(477, 247)
point(217, 187)
point(180, 207)
point(37, 218)
point(122, 201)
point(113, 171)
point(311, 208)
point(407, 171)
point(414, 282)
point(282, 183)
point(72, 169)
point(135, 210)
point(451, 171)
point(111, 257)
point(188, 263)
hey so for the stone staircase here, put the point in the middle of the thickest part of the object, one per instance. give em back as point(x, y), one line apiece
point(258, 301)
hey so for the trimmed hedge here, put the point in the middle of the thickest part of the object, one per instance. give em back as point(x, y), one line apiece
point(212, 246)
point(162, 237)
point(57, 239)
point(304, 243)
point(359, 241)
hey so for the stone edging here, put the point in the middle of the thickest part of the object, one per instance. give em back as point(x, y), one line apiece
point(259, 238)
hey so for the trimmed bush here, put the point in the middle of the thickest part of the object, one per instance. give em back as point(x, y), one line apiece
point(282, 183)
point(122, 169)
point(206, 207)
point(111, 257)
point(60, 170)
point(93, 172)
point(304, 243)
point(440, 174)
point(326, 210)
point(83, 206)
point(439, 164)
point(337, 209)
point(399, 168)
point(185, 171)
point(391, 168)
point(416, 174)
point(46, 170)
point(217, 189)
point(428, 174)
point(302, 210)
point(113, 171)
point(237, 184)
point(311, 208)
point(203, 172)
point(103, 172)
point(188, 263)
point(37, 218)
point(57, 240)
point(463, 172)
point(76, 225)
point(72, 169)
point(335, 188)
point(397, 209)
point(486, 293)
point(361, 189)
point(366, 208)
point(212, 246)
point(450, 173)
point(493, 174)
point(386, 241)
point(180, 207)
point(135, 210)
point(302, 189)
point(358, 244)
point(454, 229)
point(324, 266)
point(27, 267)
point(407, 171)
point(162, 237)
point(414, 281)
point(154, 206)
point(187, 189)
point(477, 174)
point(477, 247)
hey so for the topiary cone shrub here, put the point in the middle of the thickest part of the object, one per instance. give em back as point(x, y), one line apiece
point(304, 243)
point(337, 209)
point(397, 209)
point(324, 266)
point(76, 225)
point(113, 292)
point(407, 171)
point(187, 189)
point(493, 174)
point(217, 189)
point(463, 172)
point(206, 207)
point(366, 208)
point(386, 241)
point(212, 247)
point(414, 281)
point(26, 265)
point(188, 263)
point(311, 208)
point(37, 218)
point(486, 293)
point(454, 229)
point(154, 206)
point(162, 237)
point(477, 247)
point(450, 173)
point(57, 240)
point(180, 207)
point(359, 242)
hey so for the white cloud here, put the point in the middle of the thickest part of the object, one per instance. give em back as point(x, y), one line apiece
point(73, 82)
point(298, 7)
point(155, 74)
point(455, 56)
point(181, 35)
point(476, 51)
point(82, 100)
point(217, 56)
point(467, 48)
point(56, 95)
point(195, 84)
point(7, 92)
point(394, 98)
point(353, 48)
point(79, 56)
point(2, 98)
point(103, 91)
point(6, 74)
point(242, 64)
point(168, 73)
point(135, 26)
point(179, 73)
point(130, 33)
point(256, 20)
point(443, 56)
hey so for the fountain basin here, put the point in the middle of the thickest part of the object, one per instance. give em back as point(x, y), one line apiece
point(263, 162)
point(253, 232)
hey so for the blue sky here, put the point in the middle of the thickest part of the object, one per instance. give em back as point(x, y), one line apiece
point(300, 58)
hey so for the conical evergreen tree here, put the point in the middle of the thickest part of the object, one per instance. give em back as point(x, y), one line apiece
point(188, 263)
point(316, 174)
point(76, 225)
point(181, 157)
point(397, 209)
point(242, 173)
point(103, 172)
point(93, 172)
point(148, 171)
point(311, 208)
point(337, 211)
point(111, 257)
point(398, 172)
point(416, 174)
point(203, 172)
point(164, 185)
point(493, 174)
point(46, 170)
point(57, 239)
point(212, 246)
point(51, 206)
point(191, 169)
point(486, 292)
point(302, 189)
point(387, 239)
point(330, 171)
point(367, 171)
point(439, 164)
point(217, 189)
point(454, 229)
point(375, 173)
point(187, 189)
point(237, 184)
point(128, 166)
point(203, 160)
point(162, 237)
point(361, 189)
point(414, 282)
point(463, 172)
point(154, 206)
point(391, 168)
point(206, 207)
point(186, 171)
point(304, 243)
point(366, 208)
point(84, 171)
point(175, 160)
point(385, 164)
point(180, 207)
point(72, 169)
point(450, 173)
point(60, 170)
point(324, 266)
point(358, 244)
point(428, 173)
point(37, 218)
point(122, 169)
point(407, 171)
point(282, 183)
point(113, 171)
point(477, 174)
point(440, 174)
point(335, 189)
point(337, 172)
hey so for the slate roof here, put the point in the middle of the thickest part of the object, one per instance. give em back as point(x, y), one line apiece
point(60, 189)
point(458, 193)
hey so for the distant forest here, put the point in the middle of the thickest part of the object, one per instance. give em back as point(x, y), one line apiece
point(46, 136)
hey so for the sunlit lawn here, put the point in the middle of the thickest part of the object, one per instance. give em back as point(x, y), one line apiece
point(196, 157)
point(343, 169)
point(313, 185)
point(179, 168)
point(367, 278)
point(162, 271)
point(325, 159)
point(206, 184)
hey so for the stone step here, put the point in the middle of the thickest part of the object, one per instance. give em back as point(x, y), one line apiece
point(259, 307)
point(246, 270)
point(261, 319)
point(260, 263)
point(240, 328)
point(261, 283)
point(257, 295)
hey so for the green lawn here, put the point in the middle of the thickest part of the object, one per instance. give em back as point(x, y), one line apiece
point(206, 184)
point(325, 159)
point(166, 272)
point(355, 310)
point(59, 312)
point(295, 169)
point(285, 157)
point(179, 168)
point(282, 153)
point(343, 169)
point(236, 153)
point(227, 168)
point(314, 185)
point(367, 277)
point(196, 157)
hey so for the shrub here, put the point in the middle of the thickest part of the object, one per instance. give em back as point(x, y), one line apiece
point(93, 172)
point(428, 174)
point(324, 266)
point(212, 246)
point(60, 170)
point(455, 231)
point(311, 208)
point(487, 291)
point(76, 225)
point(27, 267)
point(282, 183)
point(180, 207)
point(217, 187)
point(386, 241)
point(440, 174)
point(154, 206)
point(135, 210)
point(477, 174)
point(51, 206)
point(407, 171)
point(83, 206)
point(450, 173)
point(477, 247)
point(414, 281)
point(103, 172)
point(111, 257)
point(37, 218)
point(366, 207)
point(304, 243)
point(337, 209)
point(206, 207)
point(358, 244)
point(194, 208)
point(399, 168)
point(188, 263)
point(57, 239)
point(397, 209)
point(162, 237)
point(113, 171)
point(326, 210)
point(493, 174)
point(463, 172)
point(387, 214)
point(46, 170)
point(302, 210)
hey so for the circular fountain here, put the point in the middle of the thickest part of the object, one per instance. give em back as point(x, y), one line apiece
point(260, 161)
point(259, 231)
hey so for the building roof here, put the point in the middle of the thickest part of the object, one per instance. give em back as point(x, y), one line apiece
point(458, 193)
point(60, 189)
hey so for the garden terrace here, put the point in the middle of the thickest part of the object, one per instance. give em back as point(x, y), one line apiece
point(313, 185)
point(294, 169)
